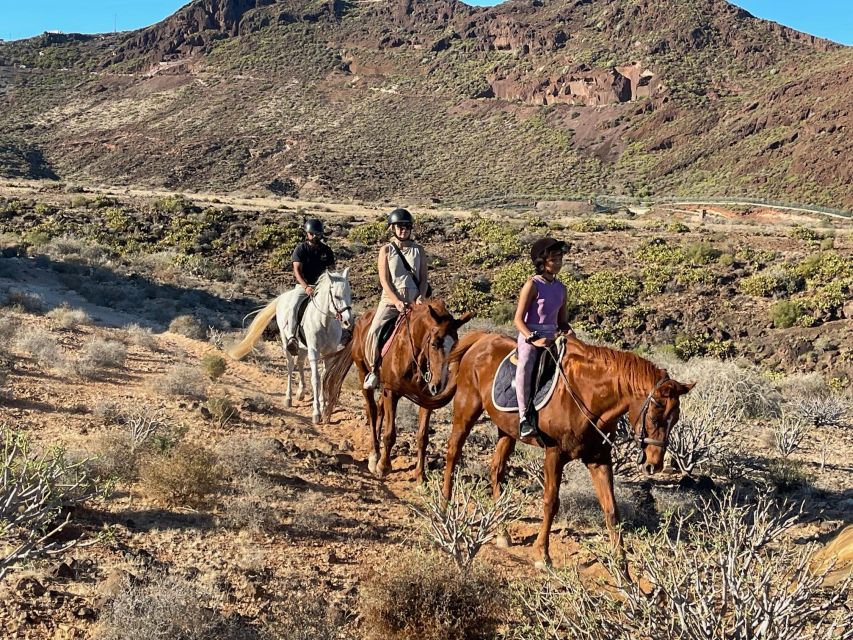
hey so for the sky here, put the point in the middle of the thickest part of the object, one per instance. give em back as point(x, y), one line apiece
point(831, 19)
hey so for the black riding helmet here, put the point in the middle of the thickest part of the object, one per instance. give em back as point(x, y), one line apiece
point(314, 226)
point(399, 215)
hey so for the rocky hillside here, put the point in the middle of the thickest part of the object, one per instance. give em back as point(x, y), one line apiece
point(423, 99)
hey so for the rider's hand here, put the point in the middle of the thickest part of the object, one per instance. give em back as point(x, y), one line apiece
point(401, 305)
point(309, 290)
point(543, 342)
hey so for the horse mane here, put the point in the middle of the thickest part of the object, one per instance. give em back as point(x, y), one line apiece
point(634, 371)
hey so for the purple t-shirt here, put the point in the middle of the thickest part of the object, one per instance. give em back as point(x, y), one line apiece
point(545, 307)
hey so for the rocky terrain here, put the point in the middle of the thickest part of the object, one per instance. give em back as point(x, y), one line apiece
point(435, 99)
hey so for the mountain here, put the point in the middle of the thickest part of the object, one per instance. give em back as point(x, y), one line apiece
point(420, 99)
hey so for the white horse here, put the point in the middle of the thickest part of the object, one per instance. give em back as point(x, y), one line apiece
point(329, 311)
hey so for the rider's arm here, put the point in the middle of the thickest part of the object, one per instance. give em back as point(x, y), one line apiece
point(297, 273)
point(385, 276)
point(528, 295)
point(423, 274)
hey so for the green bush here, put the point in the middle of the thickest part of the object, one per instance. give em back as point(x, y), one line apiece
point(805, 233)
point(370, 233)
point(828, 298)
point(657, 251)
point(785, 313)
point(466, 297)
point(603, 292)
point(213, 365)
point(511, 278)
point(824, 268)
point(677, 227)
point(593, 225)
point(493, 244)
point(185, 475)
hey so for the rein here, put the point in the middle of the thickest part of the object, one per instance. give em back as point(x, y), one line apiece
point(339, 311)
point(641, 441)
point(424, 373)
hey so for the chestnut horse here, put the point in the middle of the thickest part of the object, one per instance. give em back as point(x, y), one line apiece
point(416, 366)
point(597, 385)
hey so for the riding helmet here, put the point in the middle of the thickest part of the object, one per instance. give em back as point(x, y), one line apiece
point(543, 246)
point(399, 215)
point(314, 226)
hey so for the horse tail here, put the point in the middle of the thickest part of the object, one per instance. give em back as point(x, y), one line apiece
point(254, 332)
point(337, 366)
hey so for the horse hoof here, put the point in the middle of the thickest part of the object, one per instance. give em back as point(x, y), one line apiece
point(371, 462)
point(316, 418)
point(543, 565)
point(382, 470)
point(503, 541)
point(288, 404)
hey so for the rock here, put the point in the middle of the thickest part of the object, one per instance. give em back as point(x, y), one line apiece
point(30, 587)
point(62, 570)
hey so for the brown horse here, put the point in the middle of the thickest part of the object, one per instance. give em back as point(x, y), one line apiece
point(416, 366)
point(596, 387)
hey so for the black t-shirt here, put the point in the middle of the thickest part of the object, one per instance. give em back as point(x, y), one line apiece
point(314, 260)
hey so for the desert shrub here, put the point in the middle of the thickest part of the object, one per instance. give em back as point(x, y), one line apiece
point(785, 313)
point(786, 475)
point(828, 298)
point(311, 515)
point(461, 526)
point(579, 505)
point(510, 279)
point(185, 475)
point(492, 244)
point(727, 569)
point(141, 337)
point(188, 326)
point(424, 597)
point(41, 346)
point(369, 233)
point(118, 452)
point(213, 365)
point(604, 292)
point(222, 410)
point(806, 234)
point(69, 318)
point(593, 225)
point(502, 313)
point(464, 296)
point(182, 380)
point(8, 328)
point(24, 301)
point(304, 617)
point(250, 508)
point(161, 605)
point(239, 455)
point(824, 268)
point(789, 430)
point(105, 353)
point(677, 227)
point(732, 383)
point(658, 252)
point(35, 490)
point(820, 409)
point(773, 281)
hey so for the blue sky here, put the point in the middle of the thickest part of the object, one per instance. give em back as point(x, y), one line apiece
point(831, 19)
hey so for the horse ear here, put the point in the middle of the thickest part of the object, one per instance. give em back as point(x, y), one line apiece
point(674, 388)
point(435, 316)
point(465, 317)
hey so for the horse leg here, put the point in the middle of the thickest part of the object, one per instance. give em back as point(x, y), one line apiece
point(423, 442)
point(555, 460)
point(602, 482)
point(288, 395)
point(372, 412)
point(504, 449)
point(389, 432)
point(300, 367)
point(465, 413)
point(313, 360)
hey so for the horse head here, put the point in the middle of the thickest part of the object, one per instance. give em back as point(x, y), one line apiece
point(339, 298)
point(436, 333)
point(653, 418)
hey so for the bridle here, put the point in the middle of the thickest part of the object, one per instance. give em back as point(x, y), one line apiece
point(424, 372)
point(339, 311)
point(641, 440)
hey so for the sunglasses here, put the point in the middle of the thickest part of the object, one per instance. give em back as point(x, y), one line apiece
point(404, 225)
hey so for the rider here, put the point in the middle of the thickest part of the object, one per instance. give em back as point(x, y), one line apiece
point(402, 266)
point(541, 313)
point(310, 260)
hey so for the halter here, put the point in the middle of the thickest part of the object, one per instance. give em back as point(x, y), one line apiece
point(641, 439)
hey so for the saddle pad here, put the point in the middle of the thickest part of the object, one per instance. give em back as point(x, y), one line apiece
point(503, 387)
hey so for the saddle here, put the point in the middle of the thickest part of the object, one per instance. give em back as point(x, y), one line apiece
point(545, 376)
point(300, 312)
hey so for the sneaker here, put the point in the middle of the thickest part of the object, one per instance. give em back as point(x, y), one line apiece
point(293, 346)
point(370, 381)
point(526, 429)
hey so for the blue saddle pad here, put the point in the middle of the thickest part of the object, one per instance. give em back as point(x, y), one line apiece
point(503, 387)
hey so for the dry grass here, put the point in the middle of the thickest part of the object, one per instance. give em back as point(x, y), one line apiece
point(182, 380)
point(188, 326)
point(141, 337)
point(68, 318)
point(213, 365)
point(42, 347)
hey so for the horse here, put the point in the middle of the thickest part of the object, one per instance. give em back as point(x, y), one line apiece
point(328, 313)
point(596, 386)
point(415, 367)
